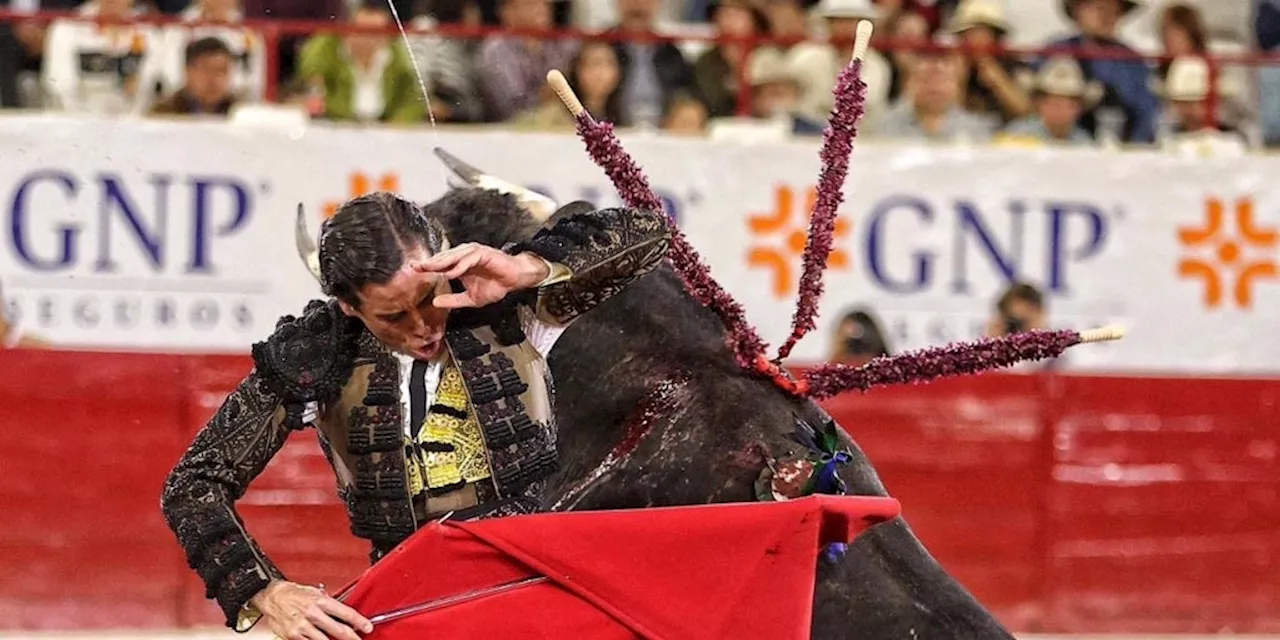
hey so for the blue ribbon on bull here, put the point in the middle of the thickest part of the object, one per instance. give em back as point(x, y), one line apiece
point(826, 480)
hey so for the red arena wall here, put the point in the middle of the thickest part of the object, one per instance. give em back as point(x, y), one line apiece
point(1066, 504)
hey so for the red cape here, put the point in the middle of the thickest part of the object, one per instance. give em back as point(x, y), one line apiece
point(715, 571)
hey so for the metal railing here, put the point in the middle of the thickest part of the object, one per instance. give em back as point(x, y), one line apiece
point(274, 31)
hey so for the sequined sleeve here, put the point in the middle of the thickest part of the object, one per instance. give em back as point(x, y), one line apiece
point(603, 250)
point(200, 493)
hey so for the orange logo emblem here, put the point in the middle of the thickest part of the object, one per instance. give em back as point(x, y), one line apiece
point(789, 223)
point(1225, 265)
point(359, 184)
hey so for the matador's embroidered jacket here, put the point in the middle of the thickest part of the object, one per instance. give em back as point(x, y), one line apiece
point(328, 361)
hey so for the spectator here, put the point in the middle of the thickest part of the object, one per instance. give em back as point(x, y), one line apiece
point(909, 30)
point(1126, 81)
point(10, 55)
point(775, 91)
point(446, 63)
point(1060, 95)
point(22, 44)
point(1185, 92)
point(787, 19)
point(932, 11)
point(992, 85)
point(685, 115)
point(22, 51)
point(289, 48)
point(1266, 25)
point(208, 88)
point(1019, 309)
point(1183, 33)
point(248, 51)
point(596, 78)
point(858, 339)
point(95, 69)
point(652, 71)
point(818, 63)
point(513, 69)
point(930, 108)
point(362, 76)
point(719, 69)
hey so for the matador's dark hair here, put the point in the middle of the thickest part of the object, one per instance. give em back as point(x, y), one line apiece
point(365, 242)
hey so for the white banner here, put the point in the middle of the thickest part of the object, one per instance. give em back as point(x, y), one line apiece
point(168, 236)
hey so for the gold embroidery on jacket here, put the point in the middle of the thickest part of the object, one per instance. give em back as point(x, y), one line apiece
point(468, 461)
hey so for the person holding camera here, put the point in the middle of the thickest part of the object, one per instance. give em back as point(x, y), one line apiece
point(1019, 309)
point(858, 339)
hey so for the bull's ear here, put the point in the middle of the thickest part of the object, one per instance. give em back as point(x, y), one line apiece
point(537, 205)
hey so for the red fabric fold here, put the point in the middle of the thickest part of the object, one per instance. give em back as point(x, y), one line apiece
point(730, 570)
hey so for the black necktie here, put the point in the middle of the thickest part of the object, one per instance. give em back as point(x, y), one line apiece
point(417, 397)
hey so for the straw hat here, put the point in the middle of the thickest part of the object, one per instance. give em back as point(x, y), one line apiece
point(1061, 76)
point(1188, 81)
point(768, 65)
point(848, 9)
point(1069, 7)
point(979, 13)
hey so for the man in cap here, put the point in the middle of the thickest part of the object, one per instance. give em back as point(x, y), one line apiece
point(930, 107)
point(424, 374)
point(1185, 91)
point(775, 91)
point(1060, 94)
point(1126, 81)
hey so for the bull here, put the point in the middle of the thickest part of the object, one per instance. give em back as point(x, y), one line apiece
point(653, 411)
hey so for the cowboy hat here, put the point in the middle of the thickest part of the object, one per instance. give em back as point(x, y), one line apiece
point(848, 9)
point(768, 65)
point(1187, 80)
point(979, 13)
point(1062, 76)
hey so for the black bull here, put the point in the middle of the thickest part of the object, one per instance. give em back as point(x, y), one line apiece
point(653, 411)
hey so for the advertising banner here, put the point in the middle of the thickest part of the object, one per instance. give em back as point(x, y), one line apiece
point(178, 237)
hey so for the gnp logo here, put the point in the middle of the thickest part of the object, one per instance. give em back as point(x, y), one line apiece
point(157, 252)
point(359, 184)
point(789, 223)
point(1224, 255)
point(906, 244)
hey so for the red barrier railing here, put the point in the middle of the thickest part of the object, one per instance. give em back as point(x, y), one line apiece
point(1066, 504)
point(272, 31)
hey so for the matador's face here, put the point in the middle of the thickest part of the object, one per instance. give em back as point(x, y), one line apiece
point(401, 313)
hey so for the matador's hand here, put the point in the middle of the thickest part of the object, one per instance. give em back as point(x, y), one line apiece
point(487, 274)
point(299, 612)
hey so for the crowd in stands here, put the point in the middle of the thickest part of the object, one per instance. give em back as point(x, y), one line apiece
point(938, 71)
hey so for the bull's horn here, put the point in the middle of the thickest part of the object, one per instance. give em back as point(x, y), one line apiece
point(306, 245)
point(539, 206)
